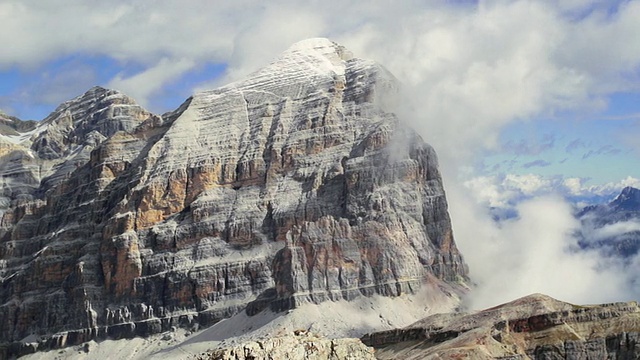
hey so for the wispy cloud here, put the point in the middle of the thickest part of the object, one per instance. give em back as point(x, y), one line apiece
point(575, 145)
point(610, 231)
point(536, 163)
point(607, 150)
point(530, 147)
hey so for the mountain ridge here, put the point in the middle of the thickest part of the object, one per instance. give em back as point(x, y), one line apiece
point(296, 185)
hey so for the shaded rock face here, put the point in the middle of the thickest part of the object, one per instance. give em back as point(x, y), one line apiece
point(534, 327)
point(613, 227)
point(297, 184)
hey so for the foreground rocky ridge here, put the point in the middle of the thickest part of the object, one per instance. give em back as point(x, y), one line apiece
point(534, 327)
point(299, 345)
point(295, 185)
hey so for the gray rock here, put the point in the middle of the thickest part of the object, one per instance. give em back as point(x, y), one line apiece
point(297, 184)
point(534, 327)
point(298, 346)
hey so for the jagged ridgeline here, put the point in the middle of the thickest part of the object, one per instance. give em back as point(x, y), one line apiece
point(298, 184)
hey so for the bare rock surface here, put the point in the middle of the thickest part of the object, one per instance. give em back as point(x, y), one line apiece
point(297, 346)
point(297, 185)
point(327, 320)
point(533, 327)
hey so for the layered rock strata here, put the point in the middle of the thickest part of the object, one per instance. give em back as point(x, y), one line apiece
point(534, 327)
point(298, 184)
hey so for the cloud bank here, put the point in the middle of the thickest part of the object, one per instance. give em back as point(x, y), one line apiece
point(538, 252)
point(504, 191)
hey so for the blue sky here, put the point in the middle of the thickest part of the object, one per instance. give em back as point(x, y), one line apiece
point(33, 93)
point(502, 87)
point(601, 147)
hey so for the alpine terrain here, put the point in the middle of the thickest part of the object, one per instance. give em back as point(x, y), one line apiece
point(613, 227)
point(295, 186)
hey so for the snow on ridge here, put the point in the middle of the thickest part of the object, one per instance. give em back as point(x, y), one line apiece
point(22, 137)
point(306, 61)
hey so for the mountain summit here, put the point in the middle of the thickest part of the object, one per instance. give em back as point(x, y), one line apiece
point(612, 227)
point(296, 185)
point(629, 199)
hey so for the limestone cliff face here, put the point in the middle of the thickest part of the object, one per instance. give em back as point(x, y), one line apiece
point(297, 184)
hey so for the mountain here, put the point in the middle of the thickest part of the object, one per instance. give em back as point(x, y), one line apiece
point(11, 125)
point(628, 200)
point(615, 226)
point(296, 185)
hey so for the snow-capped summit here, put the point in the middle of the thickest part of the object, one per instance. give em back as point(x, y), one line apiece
point(271, 192)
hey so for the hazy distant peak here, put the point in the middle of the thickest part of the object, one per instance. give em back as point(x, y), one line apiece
point(629, 199)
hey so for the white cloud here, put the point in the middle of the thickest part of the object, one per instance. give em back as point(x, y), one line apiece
point(528, 184)
point(611, 187)
point(147, 83)
point(534, 253)
point(508, 190)
point(478, 67)
point(489, 192)
point(610, 231)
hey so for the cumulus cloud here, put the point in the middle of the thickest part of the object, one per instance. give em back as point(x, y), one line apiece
point(481, 65)
point(611, 187)
point(536, 252)
point(510, 189)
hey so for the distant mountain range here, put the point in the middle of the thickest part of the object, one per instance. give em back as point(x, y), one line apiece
point(613, 227)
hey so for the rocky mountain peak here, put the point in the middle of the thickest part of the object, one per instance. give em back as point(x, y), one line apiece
point(93, 116)
point(13, 126)
point(285, 188)
point(4, 116)
point(629, 199)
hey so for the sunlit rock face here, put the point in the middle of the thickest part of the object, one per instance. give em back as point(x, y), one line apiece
point(298, 184)
point(300, 345)
point(533, 327)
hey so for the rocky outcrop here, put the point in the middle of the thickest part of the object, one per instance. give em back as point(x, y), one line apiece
point(534, 327)
point(301, 345)
point(298, 184)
